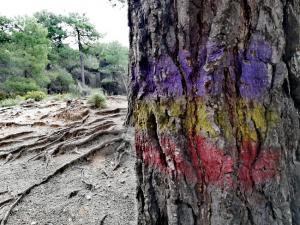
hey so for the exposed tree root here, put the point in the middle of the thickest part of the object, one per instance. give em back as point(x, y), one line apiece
point(40, 144)
point(71, 145)
point(3, 192)
point(3, 110)
point(80, 130)
point(121, 153)
point(103, 219)
point(48, 142)
point(9, 124)
point(10, 142)
point(57, 171)
point(96, 121)
point(63, 132)
point(16, 135)
point(3, 203)
point(108, 112)
point(105, 126)
point(48, 105)
point(22, 148)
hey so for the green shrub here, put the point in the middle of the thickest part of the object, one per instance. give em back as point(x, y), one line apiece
point(60, 81)
point(74, 90)
point(110, 86)
point(9, 102)
point(3, 95)
point(20, 85)
point(35, 95)
point(55, 97)
point(97, 100)
point(63, 97)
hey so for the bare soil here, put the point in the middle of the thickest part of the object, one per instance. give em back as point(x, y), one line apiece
point(65, 163)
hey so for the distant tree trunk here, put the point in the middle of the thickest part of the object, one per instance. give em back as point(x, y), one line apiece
point(82, 68)
point(214, 97)
point(99, 76)
point(80, 48)
point(124, 82)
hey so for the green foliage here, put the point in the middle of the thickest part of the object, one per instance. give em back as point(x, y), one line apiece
point(3, 95)
point(20, 85)
point(74, 91)
point(30, 48)
point(97, 100)
point(6, 26)
point(24, 57)
point(35, 95)
point(113, 59)
point(91, 62)
point(110, 86)
point(81, 29)
point(36, 55)
point(61, 81)
point(112, 53)
point(65, 97)
point(55, 26)
point(67, 57)
point(9, 102)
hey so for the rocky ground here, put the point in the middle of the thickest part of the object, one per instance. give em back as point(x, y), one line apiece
point(65, 163)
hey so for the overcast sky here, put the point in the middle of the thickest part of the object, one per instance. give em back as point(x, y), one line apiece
point(108, 19)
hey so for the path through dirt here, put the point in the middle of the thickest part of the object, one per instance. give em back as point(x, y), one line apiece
point(65, 163)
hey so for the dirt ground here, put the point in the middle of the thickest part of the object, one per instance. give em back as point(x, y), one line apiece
point(65, 163)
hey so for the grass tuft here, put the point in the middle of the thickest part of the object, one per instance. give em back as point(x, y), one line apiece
point(97, 100)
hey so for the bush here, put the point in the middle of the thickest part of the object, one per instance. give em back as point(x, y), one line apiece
point(20, 85)
point(110, 86)
point(3, 95)
point(97, 100)
point(74, 90)
point(61, 81)
point(63, 97)
point(35, 95)
point(9, 102)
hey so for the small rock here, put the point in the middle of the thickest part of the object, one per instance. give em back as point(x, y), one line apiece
point(29, 101)
point(122, 181)
point(88, 197)
point(33, 223)
point(104, 173)
point(126, 196)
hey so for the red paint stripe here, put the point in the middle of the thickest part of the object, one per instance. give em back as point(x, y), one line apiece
point(209, 164)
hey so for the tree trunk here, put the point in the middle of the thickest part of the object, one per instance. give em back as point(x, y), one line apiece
point(80, 48)
point(214, 97)
point(82, 68)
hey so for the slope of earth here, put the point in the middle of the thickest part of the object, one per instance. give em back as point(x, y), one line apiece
point(65, 163)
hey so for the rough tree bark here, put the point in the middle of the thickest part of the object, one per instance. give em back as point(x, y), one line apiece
point(215, 93)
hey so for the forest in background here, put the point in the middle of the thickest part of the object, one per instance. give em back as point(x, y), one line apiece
point(57, 54)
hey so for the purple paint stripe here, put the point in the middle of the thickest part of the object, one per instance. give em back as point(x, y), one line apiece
point(162, 77)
